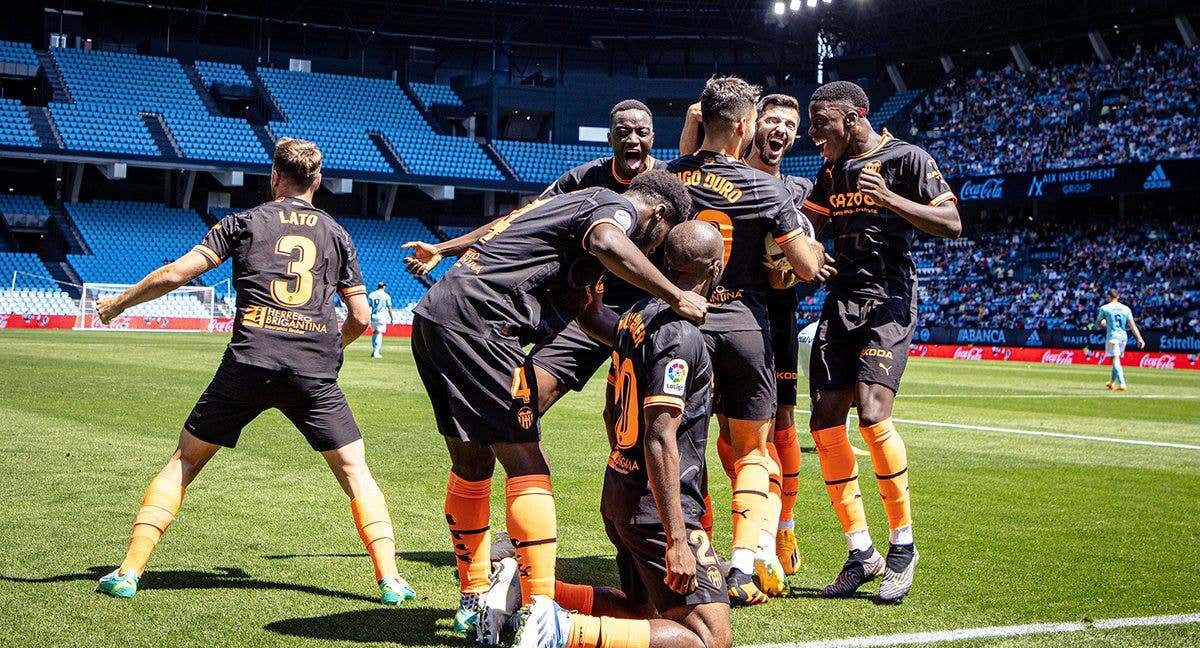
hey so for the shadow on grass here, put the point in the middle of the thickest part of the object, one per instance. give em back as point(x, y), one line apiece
point(815, 593)
point(185, 579)
point(408, 626)
point(593, 570)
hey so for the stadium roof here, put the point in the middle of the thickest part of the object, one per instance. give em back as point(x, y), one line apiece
point(888, 27)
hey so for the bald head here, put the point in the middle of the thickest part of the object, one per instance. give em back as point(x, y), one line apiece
point(694, 250)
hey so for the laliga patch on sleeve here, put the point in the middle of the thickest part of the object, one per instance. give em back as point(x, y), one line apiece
point(675, 377)
point(624, 219)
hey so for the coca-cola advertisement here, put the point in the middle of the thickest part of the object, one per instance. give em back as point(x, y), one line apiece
point(968, 353)
point(1064, 357)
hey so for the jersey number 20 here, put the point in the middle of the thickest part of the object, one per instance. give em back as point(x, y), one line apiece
point(297, 290)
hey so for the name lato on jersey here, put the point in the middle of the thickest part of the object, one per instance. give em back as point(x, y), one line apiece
point(307, 219)
point(722, 186)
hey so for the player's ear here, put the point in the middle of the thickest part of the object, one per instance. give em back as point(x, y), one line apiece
point(316, 183)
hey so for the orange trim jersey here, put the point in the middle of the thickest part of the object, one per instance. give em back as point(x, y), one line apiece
point(289, 258)
point(619, 294)
point(659, 360)
point(527, 277)
point(871, 244)
point(746, 205)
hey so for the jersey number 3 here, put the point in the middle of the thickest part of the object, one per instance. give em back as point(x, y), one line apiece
point(297, 290)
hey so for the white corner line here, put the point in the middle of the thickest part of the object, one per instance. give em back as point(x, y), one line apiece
point(1041, 433)
point(990, 632)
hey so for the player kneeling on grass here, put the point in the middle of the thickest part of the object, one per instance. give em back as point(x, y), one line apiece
point(288, 259)
point(522, 283)
point(672, 591)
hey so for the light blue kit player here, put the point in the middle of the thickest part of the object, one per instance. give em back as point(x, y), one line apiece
point(381, 315)
point(1116, 317)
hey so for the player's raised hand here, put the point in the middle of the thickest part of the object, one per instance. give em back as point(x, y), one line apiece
point(681, 568)
point(690, 306)
point(871, 183)
point(106, 308)
point(424, 258)
point(693, 113)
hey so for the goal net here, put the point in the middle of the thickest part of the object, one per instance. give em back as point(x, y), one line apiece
point(189, 308)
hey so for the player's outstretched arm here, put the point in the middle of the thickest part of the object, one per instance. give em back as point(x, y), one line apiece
point(620, 256)
point(358, 314)
point(690, 138)
point(940, 220)
point(155, 285)
point(426, 256)
point(662, 470)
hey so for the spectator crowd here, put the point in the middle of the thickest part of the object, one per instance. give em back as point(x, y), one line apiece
point(1142, 107)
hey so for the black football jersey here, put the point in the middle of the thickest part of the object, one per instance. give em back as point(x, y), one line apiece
point(788, 298)
point(871, 244)
point(745, 204)
point(601, 172)
point(288, 259)
point(658, 359)
point(524, 278)
point(619, 294)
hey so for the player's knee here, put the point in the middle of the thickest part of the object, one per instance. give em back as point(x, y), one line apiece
point(874, 405)
point(784, 417)
point(709, 624)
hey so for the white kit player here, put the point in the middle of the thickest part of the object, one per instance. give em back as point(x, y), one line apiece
point(381, 315)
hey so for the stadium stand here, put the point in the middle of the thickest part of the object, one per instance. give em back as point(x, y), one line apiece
point(1138, 108)
point(227, 73)
point(1052, 274)
point(129, 239)
point(435, 93)
point(543, 162)
point(24, 211)
point(381, 257)
point(19, 53)
point(27, 289)
point(801, 165)
point(15, 129)
point(339, 123)
point(892, 105)
point(111, 92)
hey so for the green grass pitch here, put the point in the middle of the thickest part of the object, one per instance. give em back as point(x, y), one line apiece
point(1012, 529)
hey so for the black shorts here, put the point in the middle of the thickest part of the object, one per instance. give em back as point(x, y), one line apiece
point(240, 392)
point(862, 339)
point(482, 389)
point(641, 550)
point(781, 310)
point(572, 357)
point(743, 374)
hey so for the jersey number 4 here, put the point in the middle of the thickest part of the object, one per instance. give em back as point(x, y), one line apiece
point(298, 289)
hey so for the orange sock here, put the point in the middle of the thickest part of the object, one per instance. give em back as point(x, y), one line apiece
point(774, 495)
point(575, 598)
point(750, 486)
point(706, 519)
point(840, 471)
point(891, 470)
point(607, 632)
point(468, 512)
point(789, 467)
point(159, 507)
point(533, 529)
point(725, 454)
point(374, 526)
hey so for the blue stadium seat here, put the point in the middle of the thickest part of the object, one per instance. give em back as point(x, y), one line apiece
point(353, 107)
point(543, 162)
point(24, 211)
point(435, 93)
point(112, 89)
point(381, 257)
point(22, 53)
point(801, 165)
point(228, 73)
point(129, 239)
point(15, 129)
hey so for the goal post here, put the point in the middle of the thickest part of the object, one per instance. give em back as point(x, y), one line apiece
point(185, 309)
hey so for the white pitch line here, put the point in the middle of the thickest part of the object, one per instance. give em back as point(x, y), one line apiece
point(1061, 395)
point(990, 632)
point(1056, 435)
